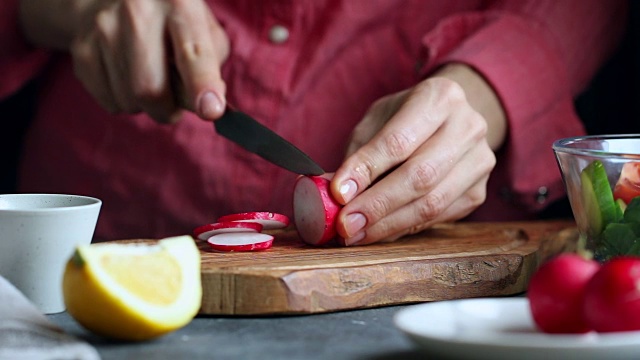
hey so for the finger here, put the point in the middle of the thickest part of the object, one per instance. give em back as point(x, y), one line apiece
point(461, 207)
point(460, 192)
point(199, 55)
point(379, 114)
point(147, 61)
point(107, 25)
point(421, 173)
point(399, 138)
point(89, 69)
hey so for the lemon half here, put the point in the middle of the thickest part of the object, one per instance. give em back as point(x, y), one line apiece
point(134, 291)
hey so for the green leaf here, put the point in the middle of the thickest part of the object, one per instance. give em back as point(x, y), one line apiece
point(617, 239)
point(632, 212)
point(597, 198)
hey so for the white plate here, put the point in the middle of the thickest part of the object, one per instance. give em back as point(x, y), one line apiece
point(502, 328)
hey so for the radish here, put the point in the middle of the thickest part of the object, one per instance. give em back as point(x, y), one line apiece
point(204, 232)
point(314, 210)
point(612, 297)
point(241, 241)
point(556, 291)
point(268, 220)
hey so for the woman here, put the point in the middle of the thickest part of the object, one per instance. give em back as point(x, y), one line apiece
point(427, 111)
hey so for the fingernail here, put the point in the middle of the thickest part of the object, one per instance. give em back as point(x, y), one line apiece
point(210, 106)
point(354, 239)
point(348, 190)
point(354, 223)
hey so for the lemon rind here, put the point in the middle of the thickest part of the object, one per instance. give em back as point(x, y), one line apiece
point(178, 313)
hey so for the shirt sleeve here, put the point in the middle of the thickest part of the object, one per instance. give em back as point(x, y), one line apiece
point(537, 55)
point(19, 61)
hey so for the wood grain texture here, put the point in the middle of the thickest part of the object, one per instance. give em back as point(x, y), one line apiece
point(449, 261)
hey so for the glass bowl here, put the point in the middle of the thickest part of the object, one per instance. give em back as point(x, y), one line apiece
point(601, 174)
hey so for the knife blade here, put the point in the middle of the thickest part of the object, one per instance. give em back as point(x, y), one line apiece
point(258, 139)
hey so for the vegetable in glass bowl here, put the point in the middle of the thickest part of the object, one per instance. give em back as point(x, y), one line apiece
point(601, 174)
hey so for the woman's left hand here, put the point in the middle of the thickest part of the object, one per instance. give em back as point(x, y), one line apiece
point(418, 157)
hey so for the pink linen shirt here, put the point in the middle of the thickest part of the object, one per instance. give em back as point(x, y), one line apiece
point(309, 70)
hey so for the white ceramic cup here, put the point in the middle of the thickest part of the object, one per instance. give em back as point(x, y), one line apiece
point(38, 234)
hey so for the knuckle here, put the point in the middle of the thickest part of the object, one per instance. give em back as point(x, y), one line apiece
point(398, 144)
point(476, 196)
point(449, 91)
point(454, 92)
point(431, 205)
point(105, 21)
point(423, 177)
point(364, 168)
point(490, 159)
point(378, 207)
point(486, 159)
point(102, 23)
point(148, 90)
point(477, 127)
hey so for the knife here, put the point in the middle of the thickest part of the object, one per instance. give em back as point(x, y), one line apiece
point(258, 139)
point(253, 136)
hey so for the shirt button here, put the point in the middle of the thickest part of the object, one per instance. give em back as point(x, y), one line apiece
point(278, 34)
point(543, 194)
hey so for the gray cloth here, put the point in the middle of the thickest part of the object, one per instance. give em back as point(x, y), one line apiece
point(25, 333)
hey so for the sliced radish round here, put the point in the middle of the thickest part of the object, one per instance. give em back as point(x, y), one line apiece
point(204, 232)
point(241, 241)
point(314, 210)
point(268, 220)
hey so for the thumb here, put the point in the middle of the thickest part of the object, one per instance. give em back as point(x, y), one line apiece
point(205, 98)
point(199, 55)
point(375, 119)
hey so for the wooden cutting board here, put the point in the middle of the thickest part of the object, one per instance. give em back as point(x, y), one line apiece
point(450, 261)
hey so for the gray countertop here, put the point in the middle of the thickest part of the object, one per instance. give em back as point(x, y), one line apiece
point(360, 334)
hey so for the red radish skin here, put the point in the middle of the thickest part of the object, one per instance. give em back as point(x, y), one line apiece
point(240, 241)
point(612, 297)
point(268, 220)
point(556, 291)
point(315, 210)
point(204, 232)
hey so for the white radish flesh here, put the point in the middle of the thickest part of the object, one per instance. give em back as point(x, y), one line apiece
point(315, 210)
point(268, 220)
point(241, 241)
point(206, 231)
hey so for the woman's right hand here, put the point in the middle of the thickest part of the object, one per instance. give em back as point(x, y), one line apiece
point(125, 52)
